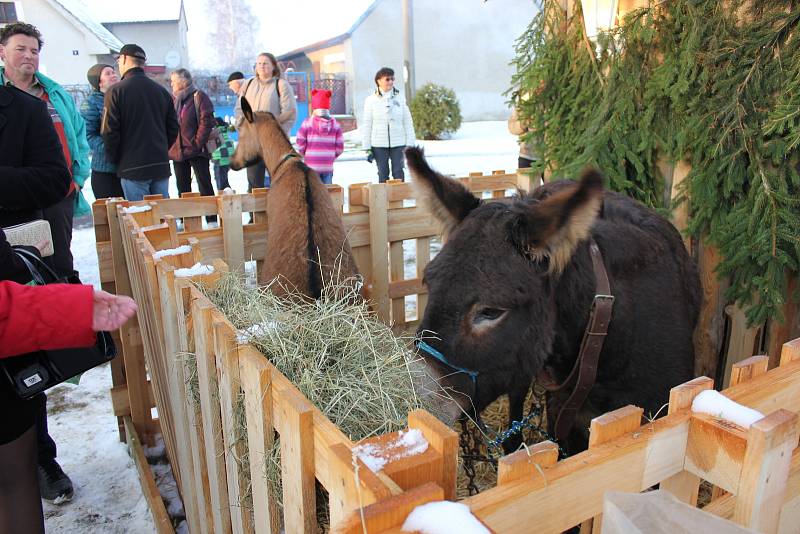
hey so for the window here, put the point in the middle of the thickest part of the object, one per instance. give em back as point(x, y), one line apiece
point(8, 13)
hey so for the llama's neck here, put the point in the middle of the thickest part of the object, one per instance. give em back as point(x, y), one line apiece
point(274, 145)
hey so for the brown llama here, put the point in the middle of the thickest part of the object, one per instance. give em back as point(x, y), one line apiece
point(306, 242)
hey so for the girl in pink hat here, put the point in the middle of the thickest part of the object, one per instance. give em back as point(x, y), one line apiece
point(320, 139)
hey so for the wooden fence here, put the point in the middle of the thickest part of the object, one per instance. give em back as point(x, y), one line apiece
point(200, 438)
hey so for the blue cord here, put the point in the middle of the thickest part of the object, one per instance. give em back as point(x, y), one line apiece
point(439, 356)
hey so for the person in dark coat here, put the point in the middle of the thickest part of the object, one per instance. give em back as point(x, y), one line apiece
point(196, 119)
point(105, 182)
point(139, 125)
point(33, 176)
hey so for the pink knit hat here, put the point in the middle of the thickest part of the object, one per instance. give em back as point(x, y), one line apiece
point(320, 99)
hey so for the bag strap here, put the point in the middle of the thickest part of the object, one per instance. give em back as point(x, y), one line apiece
point(278, 90)
point(36, 266)
point(195, 98)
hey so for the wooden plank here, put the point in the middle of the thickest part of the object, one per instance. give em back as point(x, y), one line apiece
point(210, 410)
point(230, 214)
point(685, 485)
point(194, 223)
point(779, 333)
point(135, 373)
point(379, 245)
point(297, 463)
point(748, 369)
point(257, 385)
point(742, 340)
point(528, 462)
point(603, 429)
point(423, 258)
point(390, 512)
point(790, 352)
point(227, 360)
point(715, 451)
point(711, 323)
point(150, 491)
point(572, 490)
point(403, 288)
point(120, 401)
point(445, 441)
point(409, 223)
point(765, 472)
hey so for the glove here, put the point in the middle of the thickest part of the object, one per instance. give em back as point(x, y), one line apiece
point(370, 155)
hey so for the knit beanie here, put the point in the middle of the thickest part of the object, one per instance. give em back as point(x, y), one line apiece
point(93, 75)
point(320, 99)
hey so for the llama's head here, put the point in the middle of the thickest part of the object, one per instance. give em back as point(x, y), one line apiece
point(258, 132)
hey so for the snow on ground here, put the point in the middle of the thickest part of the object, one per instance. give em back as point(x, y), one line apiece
point(108, 496)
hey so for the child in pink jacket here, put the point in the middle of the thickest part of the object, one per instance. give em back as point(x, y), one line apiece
point(320, 139)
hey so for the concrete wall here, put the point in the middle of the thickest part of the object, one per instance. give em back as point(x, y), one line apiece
point(157, 38)
point(61, 38)
point(463, 45)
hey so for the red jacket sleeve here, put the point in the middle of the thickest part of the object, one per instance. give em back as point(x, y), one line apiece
point(55, 316)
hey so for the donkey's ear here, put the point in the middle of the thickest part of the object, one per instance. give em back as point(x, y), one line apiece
point(247, 111)
point(553, 227)
point(448, 200)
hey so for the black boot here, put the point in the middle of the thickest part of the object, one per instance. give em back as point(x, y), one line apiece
point(54, 485)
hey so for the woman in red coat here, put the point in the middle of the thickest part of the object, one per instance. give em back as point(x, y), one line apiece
point(33, 318)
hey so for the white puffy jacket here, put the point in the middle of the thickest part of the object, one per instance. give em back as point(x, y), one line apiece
point(387, 121)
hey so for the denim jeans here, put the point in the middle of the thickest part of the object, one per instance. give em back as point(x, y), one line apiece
point(257, 176)
point(382, 158)
point(221, 176)
point(137, 189)
point(326, 177)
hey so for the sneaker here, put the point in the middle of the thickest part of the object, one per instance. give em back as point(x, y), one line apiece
point(54, 485)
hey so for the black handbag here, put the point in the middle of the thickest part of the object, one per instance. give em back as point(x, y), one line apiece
point(33, 373)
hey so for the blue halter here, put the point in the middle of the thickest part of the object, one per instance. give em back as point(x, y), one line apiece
point(439, 356)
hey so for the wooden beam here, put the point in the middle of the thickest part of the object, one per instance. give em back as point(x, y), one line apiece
point(445, 441)
point(528, 462)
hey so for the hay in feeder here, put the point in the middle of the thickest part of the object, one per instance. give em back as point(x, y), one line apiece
point(335, 350)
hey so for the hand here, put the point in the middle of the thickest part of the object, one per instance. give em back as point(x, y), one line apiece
point(370, 155)
point(109, 312)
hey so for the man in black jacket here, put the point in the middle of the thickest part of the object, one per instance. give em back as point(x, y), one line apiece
point(139, 125)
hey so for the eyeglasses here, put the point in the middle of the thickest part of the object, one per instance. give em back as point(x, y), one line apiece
point(389, 78)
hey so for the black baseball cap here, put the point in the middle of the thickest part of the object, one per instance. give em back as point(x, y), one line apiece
point(236, 75)
point(133, 51)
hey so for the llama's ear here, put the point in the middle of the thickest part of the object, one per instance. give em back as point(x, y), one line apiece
point(247, 111)
point(448, 200)
point(553, 227)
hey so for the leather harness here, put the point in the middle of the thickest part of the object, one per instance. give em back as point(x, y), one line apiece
point(584, 372)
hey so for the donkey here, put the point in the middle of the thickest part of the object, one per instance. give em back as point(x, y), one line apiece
point(306, 243)
point(510, 294)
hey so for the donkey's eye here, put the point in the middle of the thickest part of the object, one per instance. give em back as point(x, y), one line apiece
point(489, 314)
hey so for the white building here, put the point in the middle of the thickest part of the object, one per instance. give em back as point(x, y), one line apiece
point(465, 45)
point(73, 40)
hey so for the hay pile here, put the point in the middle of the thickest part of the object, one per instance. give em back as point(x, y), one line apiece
point(335, 350)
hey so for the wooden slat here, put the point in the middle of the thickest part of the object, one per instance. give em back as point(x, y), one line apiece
point(391, 512)
point(150, 491)
point(445, 441)
point(790, 352)
point(748, 369)
point(765, 471)
point(210, 409)
point(297, 463)
point(379, 239)
point(257, 385)
point(230, 214)
point(120, 401)
point(423, 258)
point(685, 485)
point(603, 429)
point(528, 462)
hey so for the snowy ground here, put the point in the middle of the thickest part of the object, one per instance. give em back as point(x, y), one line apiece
point(108, 497)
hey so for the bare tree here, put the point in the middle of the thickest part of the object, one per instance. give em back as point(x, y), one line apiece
point(233, 34)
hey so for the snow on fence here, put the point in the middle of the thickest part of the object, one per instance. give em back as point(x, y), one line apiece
point(174, 316)
point(755, 467)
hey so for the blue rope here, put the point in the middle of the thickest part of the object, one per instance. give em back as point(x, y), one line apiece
point(439, 356)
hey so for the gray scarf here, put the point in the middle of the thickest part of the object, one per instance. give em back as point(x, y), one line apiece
point(182, 95)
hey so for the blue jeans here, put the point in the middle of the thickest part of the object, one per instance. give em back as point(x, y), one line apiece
point(326, 177)
point(137, 189)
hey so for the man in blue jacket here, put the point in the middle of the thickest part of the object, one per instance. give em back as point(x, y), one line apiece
point(20, 44)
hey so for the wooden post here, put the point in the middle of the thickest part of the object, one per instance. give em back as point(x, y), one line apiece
point(379, 248)
point(423, 259)
point(525, 463)
point(257, 386)
point(297, 463)
point(779, 333)
point(603, 429)
point(765, 471)
point(685, 485)
point(397, 272)
point(742, 340)
point(445, 441)
point(132, 347)
point(192, 224)
point(711, 323)
point(229, 208)
point(210, 409)
point(790, 352)
point(161, 518)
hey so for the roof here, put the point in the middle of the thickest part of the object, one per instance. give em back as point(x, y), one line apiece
point(335, 34)
point(139, 11)
point(79, 12)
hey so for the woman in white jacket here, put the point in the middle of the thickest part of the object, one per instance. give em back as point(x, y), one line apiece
point(388, 127)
